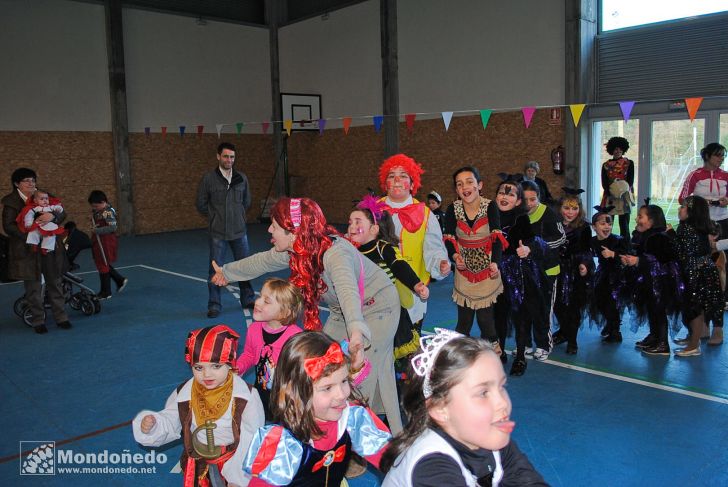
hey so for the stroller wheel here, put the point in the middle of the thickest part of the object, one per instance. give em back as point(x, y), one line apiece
point(75, 301)
point(87, 307)
point(28, 317)
point(97, 306)
point(20, 306)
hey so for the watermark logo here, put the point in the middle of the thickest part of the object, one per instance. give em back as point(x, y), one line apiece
point(42, 458)
point(37, 458)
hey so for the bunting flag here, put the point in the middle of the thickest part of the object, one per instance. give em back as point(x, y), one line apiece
point(410, 120)
point(446, 118)
point(576, 110)
point(347, 124)
point(692, 105)
point(626, 107)
point(164, 132)
point(200, 130)
point(378, 119)
point(265, 127)
point(239, 127)
point(218, 129)
point(288, 125)
point(528, 115)
point(485, 117)
point(147, 130)
point(182, 130)
point(321, 125)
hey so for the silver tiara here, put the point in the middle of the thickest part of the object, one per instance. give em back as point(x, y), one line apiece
point(431, 345)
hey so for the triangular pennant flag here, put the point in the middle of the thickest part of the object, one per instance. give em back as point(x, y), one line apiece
point(239, 127)
point(378, 119)
point(626, 107)
point(446, 117)
point(218, 128)
point(528, 115)
point(147, 130)
point(485, 117)
point(410, 120)
point(200, 129)
point(182, 130)
point(164, 132)
point(265, 127)
point(321, 125)
point(347, 124)
point(692, 105)
point(576, 110)
point(288, 125)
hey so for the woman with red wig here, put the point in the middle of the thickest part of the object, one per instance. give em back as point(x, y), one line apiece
point(363, 302)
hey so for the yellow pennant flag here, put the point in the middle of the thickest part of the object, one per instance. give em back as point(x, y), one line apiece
point(288, 124)
point(576, 110)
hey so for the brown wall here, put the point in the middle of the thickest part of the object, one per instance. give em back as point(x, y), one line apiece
point(334, 169)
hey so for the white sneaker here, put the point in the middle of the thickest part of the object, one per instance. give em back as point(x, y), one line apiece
point(529, 351)
point(540, 354)
point(685, 352)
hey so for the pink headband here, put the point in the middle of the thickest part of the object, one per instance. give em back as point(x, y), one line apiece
point(295, 209)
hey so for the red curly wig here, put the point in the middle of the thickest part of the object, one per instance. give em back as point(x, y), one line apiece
point(307, 264)
point(410, 166)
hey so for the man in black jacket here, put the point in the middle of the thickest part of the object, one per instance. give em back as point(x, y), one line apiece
point(223, 196)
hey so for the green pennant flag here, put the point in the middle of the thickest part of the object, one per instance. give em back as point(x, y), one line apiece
point(485, 117)
point(239, 127)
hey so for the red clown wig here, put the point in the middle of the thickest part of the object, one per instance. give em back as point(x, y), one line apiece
point(313, 238)
point(410, 166)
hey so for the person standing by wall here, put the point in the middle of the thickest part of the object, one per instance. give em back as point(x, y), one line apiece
point(28, 266)
point(223, 196)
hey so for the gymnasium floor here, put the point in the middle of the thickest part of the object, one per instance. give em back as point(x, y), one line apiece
point(607, 416)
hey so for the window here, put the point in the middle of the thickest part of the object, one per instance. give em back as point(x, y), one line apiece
point(724, 130)
point(618, 14)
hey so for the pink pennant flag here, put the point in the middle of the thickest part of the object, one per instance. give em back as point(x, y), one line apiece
point(528, 115)
point(347, 124)
point(265, 127)
point(410, 120)
point(626, 107)
point(692, 105)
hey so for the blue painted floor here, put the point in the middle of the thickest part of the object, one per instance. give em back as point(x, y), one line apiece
point(607, 416)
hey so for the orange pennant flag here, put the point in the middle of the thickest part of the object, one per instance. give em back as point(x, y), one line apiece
point(347, 124)
point(692, 105)
point(288, 125)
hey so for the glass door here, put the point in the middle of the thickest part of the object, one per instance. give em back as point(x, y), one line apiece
point(675, 151)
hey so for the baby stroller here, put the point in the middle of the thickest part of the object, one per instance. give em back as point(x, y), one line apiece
point(76, 294)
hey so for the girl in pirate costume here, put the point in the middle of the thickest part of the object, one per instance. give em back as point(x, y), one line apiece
point(419, 233)
point(216, 394)
point(371, 230)
point(703, 298)
point(275, 313)
point(320, 421)
point(610, 292)
point(573, 286)
point(474, 242)
point(653, 277)
point(459, 428)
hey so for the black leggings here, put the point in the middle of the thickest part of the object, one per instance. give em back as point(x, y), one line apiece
point(624, 226)
point(486, 322)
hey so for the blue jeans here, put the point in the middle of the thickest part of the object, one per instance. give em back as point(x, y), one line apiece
point(240, 250)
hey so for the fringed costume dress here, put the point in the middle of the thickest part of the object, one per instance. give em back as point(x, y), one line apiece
point(611, 295)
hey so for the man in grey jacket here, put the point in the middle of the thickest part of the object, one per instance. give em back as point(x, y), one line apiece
point(223, 196)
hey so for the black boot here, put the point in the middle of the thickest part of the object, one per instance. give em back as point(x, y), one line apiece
point(119, 280)
point(519, 366)
point(105, 292)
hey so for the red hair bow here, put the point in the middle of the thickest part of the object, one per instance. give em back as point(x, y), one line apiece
point(315, 366)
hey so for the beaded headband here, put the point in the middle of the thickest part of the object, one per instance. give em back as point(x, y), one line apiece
point(295, 209)
point(431, 346)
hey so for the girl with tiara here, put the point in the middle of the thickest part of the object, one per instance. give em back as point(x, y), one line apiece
point(474, 242)
point(319, 419)
point(459, 428)
point(371, 230)
point(703, 298)
point(653, 278)
point(363, 302)
point(609, 298)
point(577, 266)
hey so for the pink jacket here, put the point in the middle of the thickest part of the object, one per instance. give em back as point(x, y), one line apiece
point(254, 344)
